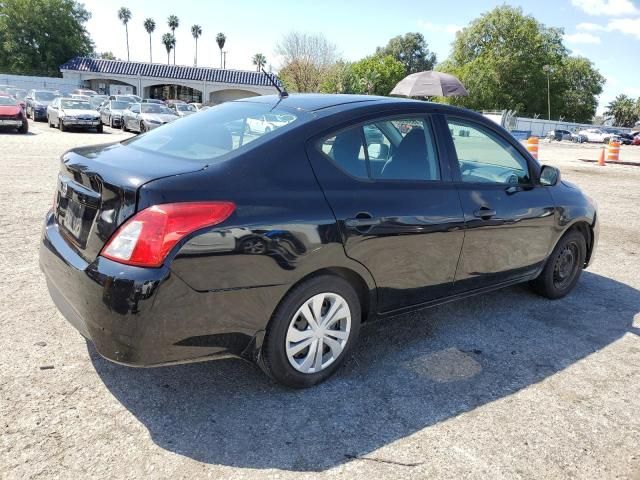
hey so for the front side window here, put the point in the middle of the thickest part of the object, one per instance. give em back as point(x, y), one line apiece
point(484, 157)
point(206, 137)
point(386, 149)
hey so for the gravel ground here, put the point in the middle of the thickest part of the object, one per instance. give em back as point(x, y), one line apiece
point(506, 385)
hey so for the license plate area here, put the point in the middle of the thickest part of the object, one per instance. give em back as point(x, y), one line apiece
point(76, 211)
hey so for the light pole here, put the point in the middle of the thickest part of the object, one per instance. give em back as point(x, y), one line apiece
point(547, 70)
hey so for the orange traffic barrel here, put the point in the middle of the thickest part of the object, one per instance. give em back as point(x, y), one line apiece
point(601, 158)
point(532, 146)
point(614, 151)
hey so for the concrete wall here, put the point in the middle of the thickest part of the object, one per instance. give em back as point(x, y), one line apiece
point(28, 82)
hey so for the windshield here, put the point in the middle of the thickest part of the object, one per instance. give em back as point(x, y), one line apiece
point(155, 108)
point(186, 108)
point(118, 105)
point(45, 96)
point(124, 98)
point(76, 105)
point(208, 136)
point(7, 101)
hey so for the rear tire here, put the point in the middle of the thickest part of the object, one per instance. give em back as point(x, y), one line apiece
point(336, 337)
point(563, 268)
point(124, 126)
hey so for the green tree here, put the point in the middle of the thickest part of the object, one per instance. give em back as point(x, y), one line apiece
point(259, 60)
point(578, 85)
point(104, 55)
point(306, 58)
point(624, 111)
point(36, 41)
point(124, 14)
point(196, 31)
point(173, 22)
point(169, 42)
point(499, 58)
point(221, 39)
point(376, 75)
point(150, 26)
point(411, 50)
point(338, 78)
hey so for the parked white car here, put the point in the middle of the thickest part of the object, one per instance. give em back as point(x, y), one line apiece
point(266, 123)
point(597, 135)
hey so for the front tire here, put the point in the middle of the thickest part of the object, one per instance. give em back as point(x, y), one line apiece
point(563, 268)
point(99, 129)
point(311, 332)
point(61, 126)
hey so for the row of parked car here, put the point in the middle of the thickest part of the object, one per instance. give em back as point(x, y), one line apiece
point(86, 109)
point(595, 135)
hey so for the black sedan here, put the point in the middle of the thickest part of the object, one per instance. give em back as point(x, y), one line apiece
point(199, 240)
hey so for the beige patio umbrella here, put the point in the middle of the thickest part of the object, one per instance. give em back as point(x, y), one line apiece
point(429, 84)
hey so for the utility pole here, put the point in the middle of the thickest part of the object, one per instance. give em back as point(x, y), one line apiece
point(547, 70)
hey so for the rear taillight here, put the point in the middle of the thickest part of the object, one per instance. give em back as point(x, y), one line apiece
point(146, 239)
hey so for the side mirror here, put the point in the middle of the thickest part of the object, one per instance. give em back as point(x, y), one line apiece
point(549, 176)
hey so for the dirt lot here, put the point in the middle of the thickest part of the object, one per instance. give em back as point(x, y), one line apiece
point(507, 385)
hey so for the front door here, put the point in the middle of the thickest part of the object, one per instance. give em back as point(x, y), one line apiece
point(509, 217)
point(399, 212)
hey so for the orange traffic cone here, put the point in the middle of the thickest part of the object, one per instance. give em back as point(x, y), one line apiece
point(601, 159)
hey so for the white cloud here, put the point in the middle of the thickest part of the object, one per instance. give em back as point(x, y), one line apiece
point(449, 28)
point(590, 27)
point(608, 8)
point(582, 37)
point(630, 26)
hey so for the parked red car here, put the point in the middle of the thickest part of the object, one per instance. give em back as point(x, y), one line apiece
point(12, 114)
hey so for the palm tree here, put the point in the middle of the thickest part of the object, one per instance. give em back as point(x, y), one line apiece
point(196, 31)
point(173, 23)
point(623, 110)
point(124, 14)
point(150, 26)
point(221, 38)
point(259, 60)
point(169, 42)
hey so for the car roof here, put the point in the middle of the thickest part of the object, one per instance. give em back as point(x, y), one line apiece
point(312, 102)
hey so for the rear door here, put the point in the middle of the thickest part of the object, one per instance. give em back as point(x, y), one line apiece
point(509, 217)
point(399, 212)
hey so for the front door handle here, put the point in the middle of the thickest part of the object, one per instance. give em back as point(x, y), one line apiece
point(485, 213)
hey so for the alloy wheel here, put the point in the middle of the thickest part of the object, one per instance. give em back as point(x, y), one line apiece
point(318, 332)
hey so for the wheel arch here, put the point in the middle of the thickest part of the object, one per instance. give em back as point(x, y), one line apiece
point(584, 227)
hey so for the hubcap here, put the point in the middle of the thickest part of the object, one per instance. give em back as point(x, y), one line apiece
point(318, 332)
point(565, 267)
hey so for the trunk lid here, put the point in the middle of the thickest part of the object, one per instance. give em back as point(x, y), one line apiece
point(97, 191)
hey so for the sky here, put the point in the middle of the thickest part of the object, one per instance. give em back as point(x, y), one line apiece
point(605, 31)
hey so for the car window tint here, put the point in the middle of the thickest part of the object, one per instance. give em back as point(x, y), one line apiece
point(219, 130)
point(409, 149)
point(347, 151)
point(485, 157)
point(393, 149)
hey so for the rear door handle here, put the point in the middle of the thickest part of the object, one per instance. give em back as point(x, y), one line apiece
point(485, 213)
point(362, 220)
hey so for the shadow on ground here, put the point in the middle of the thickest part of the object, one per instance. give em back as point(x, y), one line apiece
point(407, 373)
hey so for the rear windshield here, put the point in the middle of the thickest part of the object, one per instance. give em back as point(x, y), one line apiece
point(155, 108)
point(186, 108)
point(119, 105)
point(76, 105)
point(208, 136)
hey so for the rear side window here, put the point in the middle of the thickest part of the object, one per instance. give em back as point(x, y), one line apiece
point(386, 149)
point(208, 135)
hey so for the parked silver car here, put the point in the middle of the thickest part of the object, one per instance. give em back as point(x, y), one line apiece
point(183, 109)
point(141, 117)
point(66, 113)
point(112, 111)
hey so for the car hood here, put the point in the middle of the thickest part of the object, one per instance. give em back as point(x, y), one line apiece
point(42, 102)
point(79, 113)
point(118, 111)
point(10, 109)
point(159, 117)
point(186, 114)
